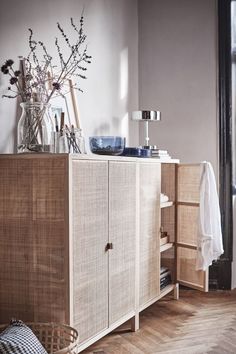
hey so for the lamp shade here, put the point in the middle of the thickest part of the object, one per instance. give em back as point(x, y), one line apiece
point(146, 115)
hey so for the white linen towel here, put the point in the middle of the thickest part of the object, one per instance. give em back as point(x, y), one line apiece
point(209, 238)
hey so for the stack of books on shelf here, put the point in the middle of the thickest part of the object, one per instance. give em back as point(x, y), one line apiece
point(160, 154)
point(165, 277)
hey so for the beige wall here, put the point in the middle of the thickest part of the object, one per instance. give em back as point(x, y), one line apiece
point(111, 90)
point(178, 76)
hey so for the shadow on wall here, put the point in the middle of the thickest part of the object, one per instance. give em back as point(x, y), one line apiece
point(102, 129)
point(119, 125)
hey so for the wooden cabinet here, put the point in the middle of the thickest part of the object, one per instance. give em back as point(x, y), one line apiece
point(68, 241)
point(80, 238)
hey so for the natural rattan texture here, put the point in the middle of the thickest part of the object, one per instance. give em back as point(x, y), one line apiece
point(33, 234)
point(56, 338)
point(168, 222)
point(122, 234)
point(186, 268)
point(89, 239)
point(168, 172)
point(150, 177)
point(188, 183)
point(187, 224)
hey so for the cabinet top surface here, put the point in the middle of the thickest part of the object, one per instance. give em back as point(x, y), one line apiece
point(87, 157)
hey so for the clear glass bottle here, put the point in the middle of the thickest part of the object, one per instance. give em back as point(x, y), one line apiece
point(34, 128)
point(76, 142)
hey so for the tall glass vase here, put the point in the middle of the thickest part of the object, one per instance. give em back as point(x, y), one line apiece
point(34, 128)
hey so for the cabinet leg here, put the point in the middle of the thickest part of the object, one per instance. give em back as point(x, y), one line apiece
point(135, 323)
point(176, 292)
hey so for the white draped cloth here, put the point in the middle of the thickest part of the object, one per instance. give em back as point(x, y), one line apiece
point(209, 237)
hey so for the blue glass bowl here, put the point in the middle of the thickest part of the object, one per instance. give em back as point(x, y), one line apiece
point(107, 145)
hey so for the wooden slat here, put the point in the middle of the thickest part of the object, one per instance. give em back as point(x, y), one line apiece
point(188, 204)
point(185, 245)
point(166, 246)
point(166, 204)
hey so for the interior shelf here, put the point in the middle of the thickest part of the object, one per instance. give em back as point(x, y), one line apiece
point(166, 246)
point(166, 290)
point(167, 204)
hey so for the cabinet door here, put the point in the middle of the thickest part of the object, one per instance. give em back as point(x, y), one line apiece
point(33, 238)
point(188, 181)
point(122, 234)
point(149, 218)
point(89, 283)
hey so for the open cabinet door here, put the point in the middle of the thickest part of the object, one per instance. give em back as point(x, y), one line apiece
point(187, 208)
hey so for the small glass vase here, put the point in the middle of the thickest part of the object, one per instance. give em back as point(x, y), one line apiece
point(67, 141)
point(34, 128)
point(76, 142)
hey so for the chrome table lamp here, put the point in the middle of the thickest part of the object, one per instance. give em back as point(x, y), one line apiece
point(146, 117)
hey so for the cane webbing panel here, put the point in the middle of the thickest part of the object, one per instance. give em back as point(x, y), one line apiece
point(168, 180)
point(188, 183)
point(187, 224)
point(186, 271)
point(89, 238)
point(168, 222)
point(122, 234)
point(33, 239)
point(150, 175)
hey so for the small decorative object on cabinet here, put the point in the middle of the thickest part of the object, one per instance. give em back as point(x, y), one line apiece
point(80, 241)
point(147, 116)
point(107, 145)
point(38, 81)
point(34, 128)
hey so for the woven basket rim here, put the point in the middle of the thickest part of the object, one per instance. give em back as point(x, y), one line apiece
point(50, 324)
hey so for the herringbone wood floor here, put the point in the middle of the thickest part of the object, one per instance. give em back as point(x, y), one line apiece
point(198, 323)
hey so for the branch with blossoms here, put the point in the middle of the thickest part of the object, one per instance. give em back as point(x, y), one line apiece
point(38, 79)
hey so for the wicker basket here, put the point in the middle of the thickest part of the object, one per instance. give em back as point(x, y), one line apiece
point(56, 338)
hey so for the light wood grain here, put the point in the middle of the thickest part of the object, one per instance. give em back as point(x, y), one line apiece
point(187, 224)
point(188, 182)
point(122, 234)
point(150, 177)
point(90, 236)
point(33, 239)
point(198, 323)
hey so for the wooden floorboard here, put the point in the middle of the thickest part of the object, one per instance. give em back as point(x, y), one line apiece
point(198, 323)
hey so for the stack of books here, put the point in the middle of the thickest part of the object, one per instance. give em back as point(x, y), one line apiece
point(165, 277)
point(160, 154)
